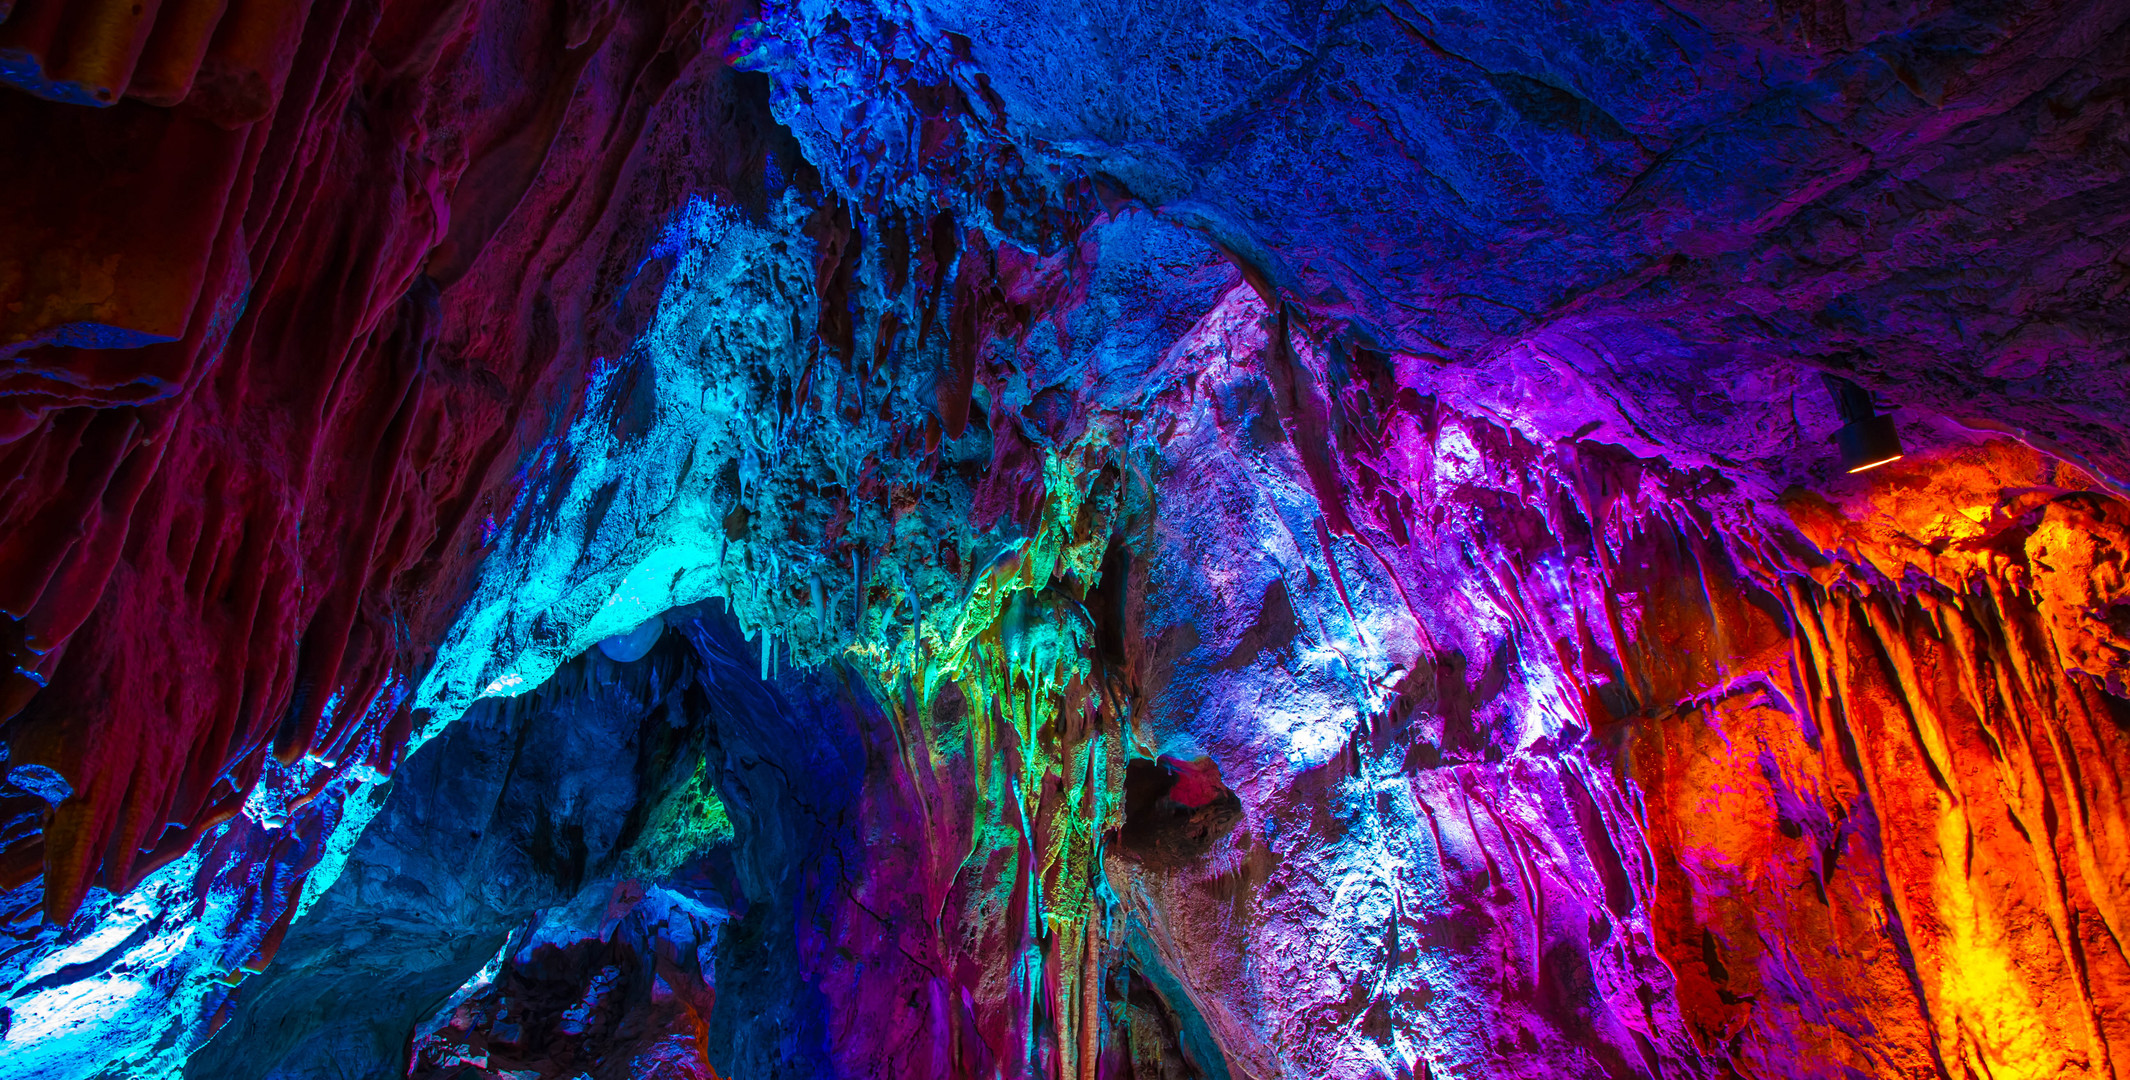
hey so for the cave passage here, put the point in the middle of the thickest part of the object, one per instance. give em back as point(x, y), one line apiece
point(1043, 540)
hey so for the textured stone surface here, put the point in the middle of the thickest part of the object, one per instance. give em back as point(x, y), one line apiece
point(526, 805)
point(1691, 200)
point(274, 513)
point(1233, 540)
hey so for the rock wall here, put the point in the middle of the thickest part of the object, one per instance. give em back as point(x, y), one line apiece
point(234, 537)
point(1309, 550)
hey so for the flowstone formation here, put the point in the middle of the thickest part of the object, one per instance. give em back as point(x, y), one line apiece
point(921, 539)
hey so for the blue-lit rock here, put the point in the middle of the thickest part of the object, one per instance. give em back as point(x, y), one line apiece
point(635, 645)
point(1688, 194)
point(529, 812)
point(1113, 550)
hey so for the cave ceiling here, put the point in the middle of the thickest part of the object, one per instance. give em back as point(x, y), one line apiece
point(1022, 538)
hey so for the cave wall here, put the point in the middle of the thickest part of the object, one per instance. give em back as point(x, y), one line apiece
point(339, 337)
point(1302, 551)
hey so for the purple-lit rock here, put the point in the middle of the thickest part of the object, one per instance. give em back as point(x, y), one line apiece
point(1027, 540)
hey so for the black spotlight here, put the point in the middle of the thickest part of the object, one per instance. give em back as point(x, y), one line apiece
point(1866, 439)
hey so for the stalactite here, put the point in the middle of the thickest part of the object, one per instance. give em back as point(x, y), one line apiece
point(1640, 741)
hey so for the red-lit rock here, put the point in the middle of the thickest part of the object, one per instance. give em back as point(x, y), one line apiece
point(1314, 552)
point(375, 285)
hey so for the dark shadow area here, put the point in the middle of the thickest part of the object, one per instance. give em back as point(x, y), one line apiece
point(1175, 809)
point(540, 821)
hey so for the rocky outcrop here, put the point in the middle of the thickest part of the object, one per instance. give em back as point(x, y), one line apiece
point(530, 804)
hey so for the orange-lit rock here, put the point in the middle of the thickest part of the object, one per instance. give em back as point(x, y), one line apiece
point(1302, 551)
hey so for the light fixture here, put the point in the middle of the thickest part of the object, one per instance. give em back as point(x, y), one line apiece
point(1866, 440)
